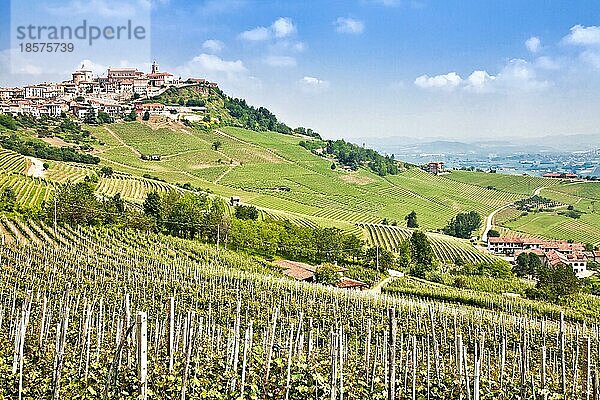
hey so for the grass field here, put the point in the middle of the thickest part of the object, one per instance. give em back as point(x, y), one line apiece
point(584, 197)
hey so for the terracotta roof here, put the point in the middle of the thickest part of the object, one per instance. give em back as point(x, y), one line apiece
point(537, 252)
point(159, 74)
point(505, 240)
point(347, 283)
point(152, 105)
point(296, 270)
point(299, 270)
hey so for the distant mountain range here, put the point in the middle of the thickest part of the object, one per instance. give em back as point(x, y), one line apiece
point(507, 146)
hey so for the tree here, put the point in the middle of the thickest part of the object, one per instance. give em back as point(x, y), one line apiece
point(8, 122)
point(463, 224)
point(327, 274)
point(420, 249)
point(527, 264)
point(353, 246)
point(104, 118)
point(76, 203)
point(332, 166)
point(146, 116)
point(403, 259)
point(106, 172)
point(8, 199)
point(493, 233)
point(381, 256)
point(46, 165)
point(411, 220)
point(217, 145)
point(555, 282)
point(131, 117)
point(246, 212)
point(153, 207)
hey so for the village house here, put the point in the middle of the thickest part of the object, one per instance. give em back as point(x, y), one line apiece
point(151, 108)
point(577, 261)
point(550, 252)
point(10, 93)
point(34, 91)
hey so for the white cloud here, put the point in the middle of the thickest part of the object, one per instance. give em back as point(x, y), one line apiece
point(519, 74)
point(311, 84)
point(516, 75)
point(480, 81)
point(257, 34)
point(585, 36)
point(97, 69)
point(349, 25)
point(213, 67)
point(546, 63)
point(591, 57)
point(283, 27)
point(533, 44)
point(213, 45)
point(450, 80)
point(280, 61)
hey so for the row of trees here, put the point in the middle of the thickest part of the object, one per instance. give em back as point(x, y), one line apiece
point(353, 156)
point(77, 203)
point(553, 282)
point(42, 150)
point(258, 119)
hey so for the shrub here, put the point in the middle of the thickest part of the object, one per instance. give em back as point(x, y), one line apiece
point(327, 274)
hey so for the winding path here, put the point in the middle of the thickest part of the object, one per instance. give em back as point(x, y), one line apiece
point(120, 140)
point(489, 220)
point(376, 290)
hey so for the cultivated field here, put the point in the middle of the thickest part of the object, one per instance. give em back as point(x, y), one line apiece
point(445, 248)
point(105, 313)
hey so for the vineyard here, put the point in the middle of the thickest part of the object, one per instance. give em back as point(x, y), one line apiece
point(131, 188)
point(445, 248)
point(271, 171)
point(120, 314)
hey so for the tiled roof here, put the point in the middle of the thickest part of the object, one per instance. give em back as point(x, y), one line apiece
point(347, 283)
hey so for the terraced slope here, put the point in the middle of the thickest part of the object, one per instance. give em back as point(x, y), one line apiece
point(272, 171)
point(446, 248)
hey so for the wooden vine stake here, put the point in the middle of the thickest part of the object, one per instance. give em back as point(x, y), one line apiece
point(142, 353)
point(171, 331)
point(392, 354)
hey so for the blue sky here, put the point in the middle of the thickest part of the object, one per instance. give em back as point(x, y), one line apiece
point(380, 68)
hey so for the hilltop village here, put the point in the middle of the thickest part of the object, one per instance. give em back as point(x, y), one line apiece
point(120, 91)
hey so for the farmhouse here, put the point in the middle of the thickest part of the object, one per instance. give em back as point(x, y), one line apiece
point(435, 168)
point(306, 272)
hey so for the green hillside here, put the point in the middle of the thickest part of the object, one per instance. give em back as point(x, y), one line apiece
point(272, 171)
